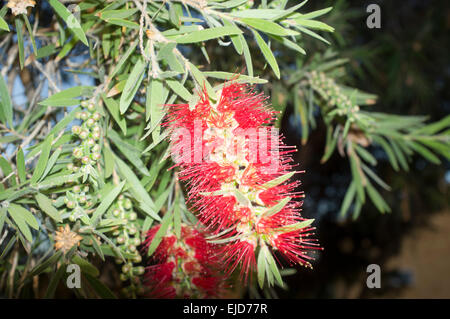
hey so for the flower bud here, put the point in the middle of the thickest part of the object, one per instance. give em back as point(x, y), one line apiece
point(96, 156)
point(84, 134)
point(126, 268)
point(123, 277)
point(137, 259)
point(77, 152)
point(96, 116)
point(90, 122)
point(91, 142)
point(128, 204)
point(82, 199)
point(84, 116)
point(76, 129)
point(139, 270)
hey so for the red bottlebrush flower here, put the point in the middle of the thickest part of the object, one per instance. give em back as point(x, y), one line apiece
point(236, 169)
point(186, 267)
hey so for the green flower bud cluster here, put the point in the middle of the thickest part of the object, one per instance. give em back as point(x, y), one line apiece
point(332, 93)
point(89, 133)
point(78, 201)
point(127, 237)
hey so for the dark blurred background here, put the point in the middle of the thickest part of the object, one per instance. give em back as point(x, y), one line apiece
point(406, 64)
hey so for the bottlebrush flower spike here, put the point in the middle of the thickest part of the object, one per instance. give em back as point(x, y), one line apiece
point(184, 268)
point(236, 169)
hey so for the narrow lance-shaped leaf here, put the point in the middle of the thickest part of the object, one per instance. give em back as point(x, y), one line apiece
point(42, 162)
point(72, 23)
point(47, 207)
point(270, 58)
point(106, 202)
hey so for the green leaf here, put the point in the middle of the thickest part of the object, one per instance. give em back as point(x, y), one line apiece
point(270, 58)
point(425, 152)
point(19, 26)
point(277, 207)
point(20, 163)
point(132, 85)
point(289, 44)
point(3, 212)
point(5, 102)
point(376, 198)
point(20, 222)
point(207, 34)
point(176, 217)
point(312, 33)
point(51, 162)
point(154, 105)
point(137, 189)
point(113, 108)
point(86, 266)
point(261, 267)
point(6, 168)
point(45, 51)
point(179, 89)
point(130, 152)
point(42, 266)
point(316, 14)
point(69, 18)
point(314, 24)
point(23, 213)
point(118, 14)
point(247, 55)
point(56, 278)
point(30, 32)
point(47, 207)
point(66, 97)
point(238, 78)
point(109, 161)
point(165, 223)
point(106, 202)
point(42, 162)
point(123, 23)
point(274, 268)
point(58, 180)
point(295, 226)
point(277, 181)
point(241, 198)
point(3, 25)
point(236, 39)
point(348, 199)
point(392, 159)
point(369, 158)
point(124, 59)
point(268, 27)
point(201, 80)
point(100, 288)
